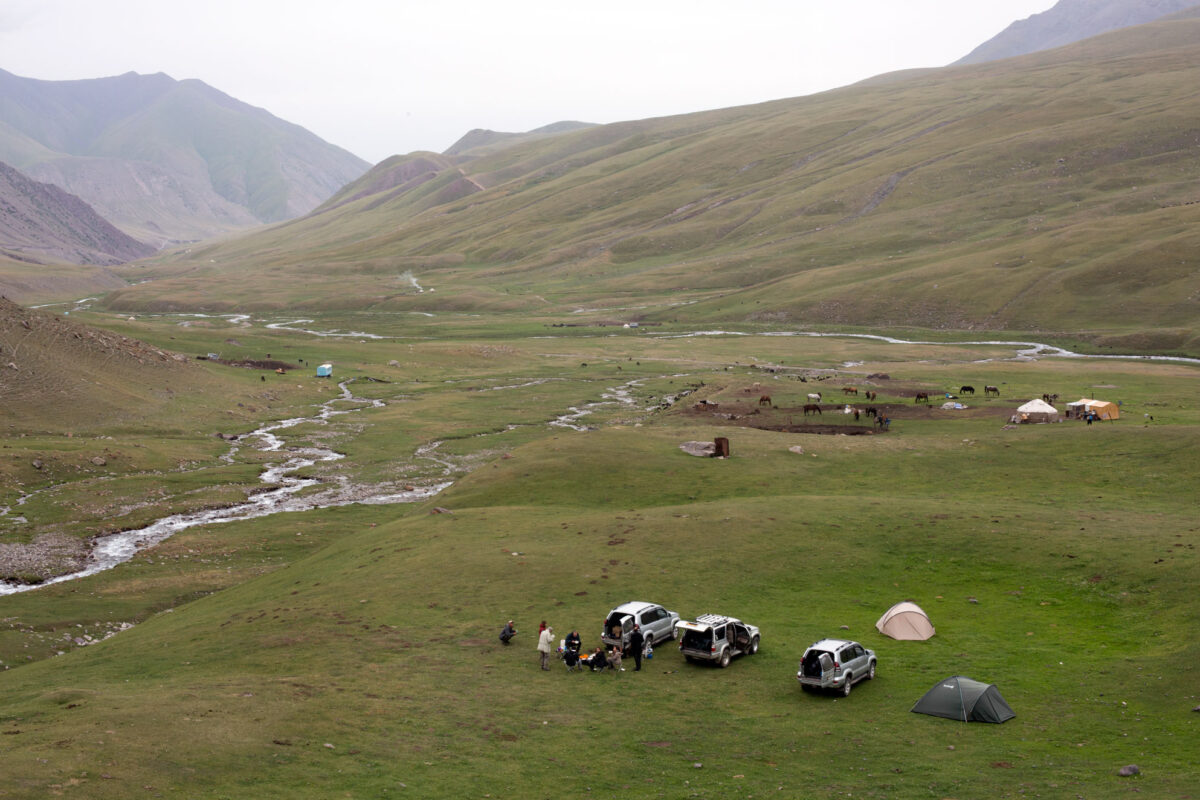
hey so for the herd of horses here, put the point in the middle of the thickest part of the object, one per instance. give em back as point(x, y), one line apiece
point(813, 406)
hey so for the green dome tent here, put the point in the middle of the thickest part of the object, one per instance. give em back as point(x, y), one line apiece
point(963, 699)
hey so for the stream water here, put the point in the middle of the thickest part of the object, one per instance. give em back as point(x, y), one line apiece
point(285, 492)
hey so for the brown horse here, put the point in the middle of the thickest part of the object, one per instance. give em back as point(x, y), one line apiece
point(813, 408)
point(870, 396)
point(872, 411)
point(922, 397)
point(989, 391)
point(850, 390)
point(1050, 398)
point(764, 400)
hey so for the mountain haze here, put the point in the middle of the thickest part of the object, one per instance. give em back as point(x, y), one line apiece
point(1071, 21)
point(1055, 191)
point(167, 160)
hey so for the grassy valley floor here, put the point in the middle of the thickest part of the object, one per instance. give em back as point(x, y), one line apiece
point(351, 651)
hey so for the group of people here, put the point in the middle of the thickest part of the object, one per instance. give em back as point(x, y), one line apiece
point(572, 655)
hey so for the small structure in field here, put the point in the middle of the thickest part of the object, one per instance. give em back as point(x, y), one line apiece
point(325, 371)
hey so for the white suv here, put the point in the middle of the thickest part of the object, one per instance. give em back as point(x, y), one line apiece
point(835, 664)
point(714, 637)
point(656, 622)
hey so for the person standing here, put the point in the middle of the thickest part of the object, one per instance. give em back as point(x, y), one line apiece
point(545, 646)
point(637, 643)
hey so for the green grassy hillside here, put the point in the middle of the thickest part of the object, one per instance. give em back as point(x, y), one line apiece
point(352, 651)
point(1054, 192)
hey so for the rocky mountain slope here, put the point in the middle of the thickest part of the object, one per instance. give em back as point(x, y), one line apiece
point(39, 221)
point(1071, 21)
point(167, 160)
point(48, 362)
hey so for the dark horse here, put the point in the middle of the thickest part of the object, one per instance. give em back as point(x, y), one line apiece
point(812, 407)
point(872, 412)
point(988, 391)
point(966, 390)
point(765, 400)
point(870, 396)
point(922, 397)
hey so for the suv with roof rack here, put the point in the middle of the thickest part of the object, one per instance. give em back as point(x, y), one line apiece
point(835, 664)
point(715, 637)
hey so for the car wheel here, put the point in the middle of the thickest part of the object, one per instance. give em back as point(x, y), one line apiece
point(847, 686)
point(871, 672)
point(674, 634)
point(724, 660)
point(754, 645)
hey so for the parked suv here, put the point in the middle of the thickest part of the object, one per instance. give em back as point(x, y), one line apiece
point(714, 637)
point(835, 664)
point(656, 622)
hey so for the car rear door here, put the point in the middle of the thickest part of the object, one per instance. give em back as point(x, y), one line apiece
point(826, 662)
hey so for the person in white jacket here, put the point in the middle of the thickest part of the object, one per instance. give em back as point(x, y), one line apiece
point(546, 646)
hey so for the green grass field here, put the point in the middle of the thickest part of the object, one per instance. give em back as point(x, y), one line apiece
point(352, 652)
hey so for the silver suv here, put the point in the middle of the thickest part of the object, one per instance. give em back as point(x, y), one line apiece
point(656, 622)
point(714, 637)
point(835, 664)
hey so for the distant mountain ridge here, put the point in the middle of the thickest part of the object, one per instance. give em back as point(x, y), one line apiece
point(1071, 21)
point(167, 160)
point(39, 221)
point(1055, 191)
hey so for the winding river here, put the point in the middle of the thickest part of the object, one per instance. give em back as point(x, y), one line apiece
point(286, 491)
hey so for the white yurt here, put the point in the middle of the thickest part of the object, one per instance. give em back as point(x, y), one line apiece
point(1037, 411)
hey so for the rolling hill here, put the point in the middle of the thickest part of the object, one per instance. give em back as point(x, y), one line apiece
point(167, 160)
point(1051, 192)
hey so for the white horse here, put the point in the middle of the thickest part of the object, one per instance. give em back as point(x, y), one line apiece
point(815, 397)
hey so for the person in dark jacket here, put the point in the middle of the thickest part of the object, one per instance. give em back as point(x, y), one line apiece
point(508, 632)
point(572, 642)
point(598, 662)
point(637, 645)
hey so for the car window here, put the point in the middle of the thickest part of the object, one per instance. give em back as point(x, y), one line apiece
point(719, 633)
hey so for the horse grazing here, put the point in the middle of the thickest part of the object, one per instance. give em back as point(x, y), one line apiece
point(815, 397)
point(870, 396)
point(966, 390)
point(922, 397)
point(872, 411)
point(764, 400)
point(850, 390)
point(1050, 398)
point(812, 408)
point(989, 391)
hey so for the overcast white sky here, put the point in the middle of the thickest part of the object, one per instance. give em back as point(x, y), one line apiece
point(380, 77)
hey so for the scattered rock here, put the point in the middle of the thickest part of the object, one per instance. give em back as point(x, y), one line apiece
point(797, 449)
point(440, 510)
point(37, 463)
point(845, 627)
point(1129, 770)
point(701, 449)
point(99, 461)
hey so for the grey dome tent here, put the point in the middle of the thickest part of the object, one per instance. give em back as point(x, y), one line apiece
point(963, 699)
